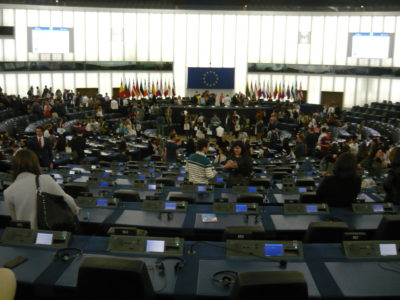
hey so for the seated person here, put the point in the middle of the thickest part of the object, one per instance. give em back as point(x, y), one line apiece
point(375, 162)
point(342, 188)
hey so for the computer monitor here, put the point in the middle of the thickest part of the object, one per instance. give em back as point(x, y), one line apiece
point(387, 249)
point(241, 207)
point(273, 249)
point(311, 208)
point(155, 246)
point(170, 205)
point(101, 202)
point(252, 189)
point(201, 188)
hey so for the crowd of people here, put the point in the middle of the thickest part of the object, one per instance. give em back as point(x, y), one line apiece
point(234, 142)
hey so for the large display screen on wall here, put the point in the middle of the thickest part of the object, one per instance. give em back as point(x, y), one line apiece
point(371, 45)
point(50, 40)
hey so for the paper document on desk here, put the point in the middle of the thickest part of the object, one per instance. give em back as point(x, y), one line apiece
point(366, 198)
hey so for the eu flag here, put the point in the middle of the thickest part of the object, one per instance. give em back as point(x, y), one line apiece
point(211, 78)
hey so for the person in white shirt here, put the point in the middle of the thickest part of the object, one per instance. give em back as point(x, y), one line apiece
point(114, 104)
point(227, 101)
point(219, 131)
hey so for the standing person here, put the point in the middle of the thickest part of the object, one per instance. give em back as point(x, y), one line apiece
point(239, 165)
point(78, 145)
point(168, 115)
point(198, 166)
point(20, 196)
point(42, 147)
point(342, 188)
point(171, 148)
point(391, 184)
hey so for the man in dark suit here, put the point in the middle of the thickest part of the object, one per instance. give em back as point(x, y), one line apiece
point(78, 146)
point(42, 147)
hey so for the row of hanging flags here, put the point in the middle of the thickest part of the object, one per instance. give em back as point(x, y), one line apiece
point(294, 92)
point(146, 89)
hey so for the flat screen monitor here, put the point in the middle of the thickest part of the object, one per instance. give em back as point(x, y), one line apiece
point(142, 176)
point(273, 249)
point(151, 187)
point(49, 40)
point(302, 189)
point(252, 189)
point(44, 238)
point(364, 45)
point(241, 208)
point(103, 184)
point(182, 172)
point(180, 178)
point(201, 188)
point(170, 206)
point(311, 208)
point(378, 208)
point(155, 246)
point(219, 179)
point(101, 202)
point(387, 249)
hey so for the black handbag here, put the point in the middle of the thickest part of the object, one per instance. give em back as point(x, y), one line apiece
point(53, 213)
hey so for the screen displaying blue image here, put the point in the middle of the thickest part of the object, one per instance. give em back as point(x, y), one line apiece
point(151, 187)
point(251, 189)
point(141, 176)
point(302, 189)
point(309, 173)
point(121, 169)
point(180, 178)
point(311, 208)
point(101, 202)
point(201, 188)
point(103, 184)
point(378, 208)
point(241, 208)
point(170, 206)
point(182, 172)
point(273, 249)
point(151, 170)
point(105, 174)
point(220, 179)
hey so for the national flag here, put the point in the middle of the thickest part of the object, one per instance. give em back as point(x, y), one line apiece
point(145, 91)
point(296, 92)
point(141, 91)
point(292, 94)
point(287, 92)
point(280, 91)
point(269, 94)
point(165, 89)
point(153, 89)
point(133, 91)
point(259, 93)
point(125, 90)
point(158, 92)
point(300, 96)
point(247, 89)
point(128, 91)
point(275, 91)
point(121, 90)
point(263, 93)
point(173, 88)
point(251, 89)
point(283, 91)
